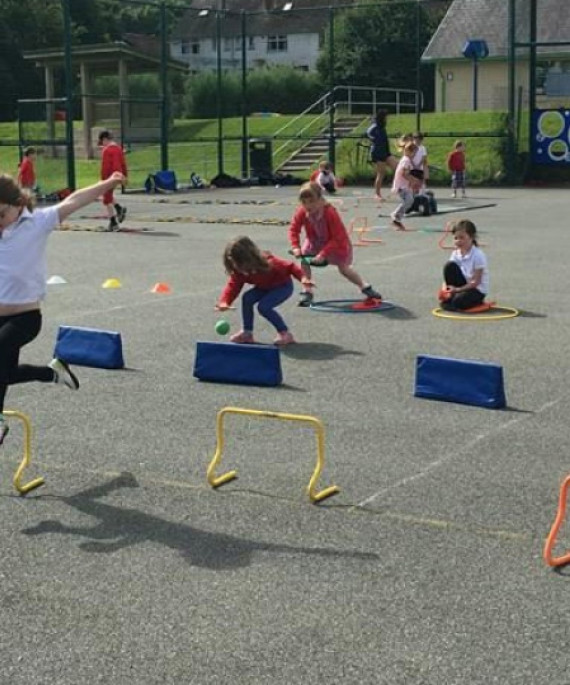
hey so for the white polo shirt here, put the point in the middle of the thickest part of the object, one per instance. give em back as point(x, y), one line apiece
point(468, 263)
point(23, 267)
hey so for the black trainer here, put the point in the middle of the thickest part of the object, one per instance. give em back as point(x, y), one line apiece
point(63, 374)
point(305, 299)
point(113, 225)
point(371, 293)
point(121, 212)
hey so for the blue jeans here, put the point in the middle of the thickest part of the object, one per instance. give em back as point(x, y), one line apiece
point(266, 301)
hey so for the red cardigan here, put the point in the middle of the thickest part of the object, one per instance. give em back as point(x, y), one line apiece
point(112, 159)
point(280, 271)
point(337, 241)
point(456, 161)
point(27, 174)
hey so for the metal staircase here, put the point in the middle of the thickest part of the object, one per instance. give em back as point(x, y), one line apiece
point(312, 152)
point(304, 141)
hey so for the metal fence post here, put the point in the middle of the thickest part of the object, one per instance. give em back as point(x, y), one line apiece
point(71, 182)
point(219, 104)
point(332, 141)
point(164, 123)
point(244, 136)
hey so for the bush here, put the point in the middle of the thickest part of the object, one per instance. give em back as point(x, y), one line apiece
point(274, 89)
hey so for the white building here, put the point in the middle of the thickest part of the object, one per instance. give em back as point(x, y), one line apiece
point(277, 32)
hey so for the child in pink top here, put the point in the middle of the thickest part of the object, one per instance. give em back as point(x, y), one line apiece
point(404, 184)
point(272, 285)
point(326, 240)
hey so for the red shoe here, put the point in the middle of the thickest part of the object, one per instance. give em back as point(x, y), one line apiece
point(284, 338)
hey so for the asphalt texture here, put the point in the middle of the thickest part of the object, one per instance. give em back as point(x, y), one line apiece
point(127, 567)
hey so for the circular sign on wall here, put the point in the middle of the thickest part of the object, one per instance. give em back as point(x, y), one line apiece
point(551, 136)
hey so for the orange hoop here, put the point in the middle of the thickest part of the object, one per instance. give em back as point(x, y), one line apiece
point(551, 539)
point(483, 307)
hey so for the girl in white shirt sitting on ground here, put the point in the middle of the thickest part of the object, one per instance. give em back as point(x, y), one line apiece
point(466, 275)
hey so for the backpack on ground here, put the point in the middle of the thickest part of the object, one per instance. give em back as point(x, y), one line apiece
point(161, 182)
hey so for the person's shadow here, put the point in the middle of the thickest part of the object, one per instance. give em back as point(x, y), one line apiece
point(119, 528)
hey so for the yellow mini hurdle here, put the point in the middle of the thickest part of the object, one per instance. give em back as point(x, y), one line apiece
point(24, 488)
point(216, 481)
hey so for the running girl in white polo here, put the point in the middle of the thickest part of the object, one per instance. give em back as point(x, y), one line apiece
point(23, 240)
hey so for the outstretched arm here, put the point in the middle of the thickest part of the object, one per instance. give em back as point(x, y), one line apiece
point(85, 196)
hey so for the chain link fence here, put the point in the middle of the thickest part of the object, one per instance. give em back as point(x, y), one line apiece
point(192, 90)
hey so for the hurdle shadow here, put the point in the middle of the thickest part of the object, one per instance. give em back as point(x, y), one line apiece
point(118, 528)
point(319, 351)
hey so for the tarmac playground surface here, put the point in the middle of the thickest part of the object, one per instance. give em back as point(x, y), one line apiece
point(426, 568)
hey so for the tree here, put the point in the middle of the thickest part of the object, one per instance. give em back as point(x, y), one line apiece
point(380, 45)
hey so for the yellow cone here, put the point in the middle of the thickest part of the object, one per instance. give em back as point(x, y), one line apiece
point(112, 283)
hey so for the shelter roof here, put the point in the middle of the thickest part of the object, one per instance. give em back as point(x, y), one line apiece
point(105, 55)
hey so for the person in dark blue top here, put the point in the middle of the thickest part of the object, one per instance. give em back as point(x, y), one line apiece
point(380, 150)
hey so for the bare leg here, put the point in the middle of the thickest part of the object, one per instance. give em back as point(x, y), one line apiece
point(306, 269)
point(380, 173)
point(391, 162)
point(349, 273)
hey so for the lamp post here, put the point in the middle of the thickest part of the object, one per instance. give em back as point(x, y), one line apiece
point(475, 50)
point(69, 94)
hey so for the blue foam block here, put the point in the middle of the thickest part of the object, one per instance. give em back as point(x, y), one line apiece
point(460, 380)
point(89, 347)
point(234, 363)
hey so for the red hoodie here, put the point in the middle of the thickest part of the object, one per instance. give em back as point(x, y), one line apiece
point(279, 273)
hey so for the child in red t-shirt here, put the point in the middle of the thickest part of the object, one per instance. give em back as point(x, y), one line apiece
point(26, 170)
point(456, 164)
point(272, 285)
point(112, 159)
point(326, 240)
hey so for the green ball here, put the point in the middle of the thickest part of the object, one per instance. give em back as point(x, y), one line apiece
point(222, 327)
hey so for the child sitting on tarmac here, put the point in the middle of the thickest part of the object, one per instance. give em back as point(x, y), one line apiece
point(326, 240)
point(466, 276)
point(325, 177)
point(271, 278)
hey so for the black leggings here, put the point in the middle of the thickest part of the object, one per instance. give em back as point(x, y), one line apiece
point(15, 332)
point(452, 275)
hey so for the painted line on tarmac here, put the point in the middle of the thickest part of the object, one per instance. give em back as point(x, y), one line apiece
point(449, 457)
point(151, 479)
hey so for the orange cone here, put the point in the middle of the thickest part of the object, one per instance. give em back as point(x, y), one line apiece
point(161, 289)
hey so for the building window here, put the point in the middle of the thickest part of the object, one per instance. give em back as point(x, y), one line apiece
point(228, 44)
point(276, 43)
point(251, 43)
point(195, 47)
point(184, 47)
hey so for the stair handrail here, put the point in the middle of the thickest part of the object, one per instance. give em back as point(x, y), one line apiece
point(326, 109)
point(330, 100)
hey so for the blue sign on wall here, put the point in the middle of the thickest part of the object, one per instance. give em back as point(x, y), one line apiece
point(551, 136)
